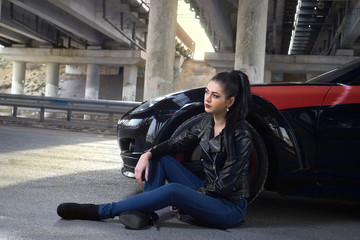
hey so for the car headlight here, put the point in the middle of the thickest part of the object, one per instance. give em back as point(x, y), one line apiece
point(146, 105)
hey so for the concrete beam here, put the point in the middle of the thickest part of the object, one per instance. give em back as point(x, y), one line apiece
point(301, 64)
point(91, 12)
point(220, 60)
point(13, 36)
point(130, 15)
point(60, 18)
point(304, 64)
point(7, 24)
point(220, 23)
point(74, 56)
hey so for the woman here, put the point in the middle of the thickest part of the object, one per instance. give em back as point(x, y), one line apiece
point(219, 200)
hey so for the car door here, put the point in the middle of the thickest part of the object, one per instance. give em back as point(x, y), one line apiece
point(338, 161)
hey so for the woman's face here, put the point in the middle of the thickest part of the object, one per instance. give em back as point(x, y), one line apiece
point(215, 99)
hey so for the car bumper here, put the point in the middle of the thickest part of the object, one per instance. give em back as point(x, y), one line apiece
point(131, 137)
point(130, 160)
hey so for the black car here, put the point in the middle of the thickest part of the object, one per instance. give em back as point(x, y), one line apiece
point(306, 136)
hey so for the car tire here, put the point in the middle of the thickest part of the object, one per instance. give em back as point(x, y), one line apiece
point(259, 160)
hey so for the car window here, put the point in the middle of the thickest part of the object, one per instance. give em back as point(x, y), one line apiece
point(356, 81)
point(345, 74)
point(350, 78)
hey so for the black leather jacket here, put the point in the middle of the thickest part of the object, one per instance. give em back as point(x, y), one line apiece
point(225, 176)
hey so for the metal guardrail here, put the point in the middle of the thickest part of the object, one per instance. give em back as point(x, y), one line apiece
point(110, 107)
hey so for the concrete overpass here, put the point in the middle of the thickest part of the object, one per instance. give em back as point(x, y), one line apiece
point(122, 34)
point(90, 33)
point(318, 35)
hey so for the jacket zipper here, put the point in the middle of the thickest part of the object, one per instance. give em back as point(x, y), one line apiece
point(213, 161)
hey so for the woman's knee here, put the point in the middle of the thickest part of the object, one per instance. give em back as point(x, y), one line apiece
point(160, 163)
point(167, 161)
point(166, 158)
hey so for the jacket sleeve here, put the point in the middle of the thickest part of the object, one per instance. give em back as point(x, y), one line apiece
point(179, 144)
point(234, 175)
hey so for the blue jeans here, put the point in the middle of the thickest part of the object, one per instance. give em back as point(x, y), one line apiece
point(181, 193)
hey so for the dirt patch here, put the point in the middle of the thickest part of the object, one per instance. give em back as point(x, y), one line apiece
point(5, 75)
point(193, 74)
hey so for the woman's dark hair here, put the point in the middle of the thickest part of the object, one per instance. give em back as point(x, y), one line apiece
point(235, 84)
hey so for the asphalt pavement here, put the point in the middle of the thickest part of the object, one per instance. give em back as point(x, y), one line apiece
point(40, 168)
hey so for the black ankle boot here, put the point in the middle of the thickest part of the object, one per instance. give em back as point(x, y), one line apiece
point(136, 219)
point(78, 211)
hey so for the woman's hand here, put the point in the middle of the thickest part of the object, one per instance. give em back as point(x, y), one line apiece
point(141, 166)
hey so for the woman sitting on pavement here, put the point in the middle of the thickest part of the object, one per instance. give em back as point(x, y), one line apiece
point(217, 201)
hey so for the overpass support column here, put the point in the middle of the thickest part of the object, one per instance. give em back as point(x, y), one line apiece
point(267, 76)
point(129, 86)
point(52, 83)
point(251, 38)
point(18, 78)
point(92, 83)
point(160, 56)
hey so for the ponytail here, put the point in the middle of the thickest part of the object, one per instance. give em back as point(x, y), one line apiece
point(240, 109)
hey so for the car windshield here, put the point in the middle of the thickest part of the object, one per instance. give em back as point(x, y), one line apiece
point(344, 74)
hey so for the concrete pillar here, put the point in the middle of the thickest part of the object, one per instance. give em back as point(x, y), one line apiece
point(159, 68)
point(18, 78)
point(92, 83)
point(251, 38)
point(178, 62)
point(129, 85)
point(52, 79)
point(267, 76)
point(52, 84)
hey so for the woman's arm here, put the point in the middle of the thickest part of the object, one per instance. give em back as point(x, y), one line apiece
point(181, 143)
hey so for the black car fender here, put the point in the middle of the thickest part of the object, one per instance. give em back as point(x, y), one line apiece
point(279, 139)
